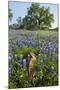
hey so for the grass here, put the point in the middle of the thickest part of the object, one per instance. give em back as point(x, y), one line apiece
point(40, 32)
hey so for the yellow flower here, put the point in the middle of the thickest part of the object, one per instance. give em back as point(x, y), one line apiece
point(21, 76)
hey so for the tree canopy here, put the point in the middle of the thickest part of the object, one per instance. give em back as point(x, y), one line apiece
point(10, 14)
point(37, 17)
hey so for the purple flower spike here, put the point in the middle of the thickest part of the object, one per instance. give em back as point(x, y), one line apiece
point(21, 59)
point(24, 63)
point(29, 57)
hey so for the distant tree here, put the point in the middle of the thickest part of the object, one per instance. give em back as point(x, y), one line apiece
point(10, 14)
point(37, 17)
point(20, 22)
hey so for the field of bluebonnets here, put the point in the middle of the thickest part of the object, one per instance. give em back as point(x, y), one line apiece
point(33, 58)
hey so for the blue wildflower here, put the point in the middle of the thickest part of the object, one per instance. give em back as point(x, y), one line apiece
point(27, 42)
point(20, 39)
point(44, 60)
point(28, 58)
point(21, 60)
point(9, 58)
point(27, 35)
point(33, 43)
point(9, 71)
point(13, 46)
point(50, 70)
point(42, 50)
point(24, 63)
point(20, 44)
point(47, 51)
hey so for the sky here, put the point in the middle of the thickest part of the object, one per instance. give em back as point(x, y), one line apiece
point(19, 9)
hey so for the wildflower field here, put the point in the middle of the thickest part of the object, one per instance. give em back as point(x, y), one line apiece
point(32, 58)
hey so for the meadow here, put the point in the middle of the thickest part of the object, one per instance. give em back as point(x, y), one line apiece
point(33, 58)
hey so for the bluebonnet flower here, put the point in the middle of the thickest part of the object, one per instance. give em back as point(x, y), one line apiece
point(16, 36)
point(9, 58)
point(27, 42)
point(49, 43)
point(20, 44)
point(47, 51)
point(30, 33)
point(21, 60)
point(44, 60)
point(42, 50)
point(27, 35)
point(20, 39)
point(50, 70)
point(13, 46)
point(30, 39)
point(19, 32)
point(9, 71)
point(50, 46)
point(33, 43)
point(10, 47)
point(24, 63)
point(28, 58)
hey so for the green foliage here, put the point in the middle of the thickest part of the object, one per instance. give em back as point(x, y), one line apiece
point(10, 14)
point(37, 17)
point(36, 51)
point(26, 49)
point(12, 85)
point(18, 51)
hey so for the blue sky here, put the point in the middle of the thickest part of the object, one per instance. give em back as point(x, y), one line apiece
point(19, 9)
